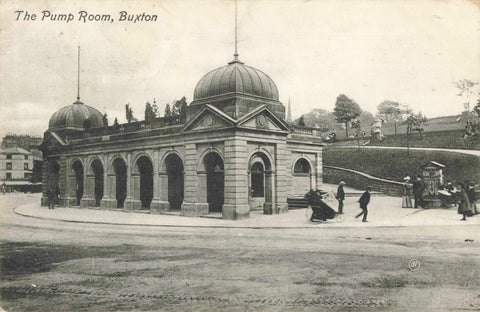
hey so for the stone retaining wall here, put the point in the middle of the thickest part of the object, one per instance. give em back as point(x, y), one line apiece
point(360, 180)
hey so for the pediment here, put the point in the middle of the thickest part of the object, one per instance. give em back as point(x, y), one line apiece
point(51, 140)
point(263, 118)
point(261, 121)
point(209, 118)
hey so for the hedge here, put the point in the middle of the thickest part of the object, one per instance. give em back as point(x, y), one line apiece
point(395, 164)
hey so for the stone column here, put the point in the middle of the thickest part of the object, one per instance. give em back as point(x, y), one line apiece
point(281, 183)
point(155, 205)
point(318, 169)
point(191, 206)
point(62, 180)
point(289, 176)
point(163, 191)
point(70, 198)
point(202, 186)
point(69, 190)
point(135, 190)
point(86, 199)
point(109, 199)
point(128, 205)
point(268, 205)
point(236, 185)
point(45, 185)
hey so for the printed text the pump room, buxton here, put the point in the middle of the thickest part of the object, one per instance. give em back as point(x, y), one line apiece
point(83, 17)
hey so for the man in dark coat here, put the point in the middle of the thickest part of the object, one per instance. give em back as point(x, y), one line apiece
point(51, 198)
point(340, 197)
point(364, 200)
point(418, 189)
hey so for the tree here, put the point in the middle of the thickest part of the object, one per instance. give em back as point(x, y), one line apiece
point(129, 113)
point(416, 122)
point(390, 111)
point(116, 125)
point(468, 89)
point(149, 112)
point(318, 117)
point(301, 121)
point(168, 111)
point(357, 126)
point(346, 110)
point(179, 107)
point(477, 108)
point(105, 120)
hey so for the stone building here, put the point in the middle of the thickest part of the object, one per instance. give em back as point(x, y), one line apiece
point(16, 169)
point(231, 152)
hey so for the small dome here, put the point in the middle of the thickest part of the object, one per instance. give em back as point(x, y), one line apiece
point(236, 77)
point(77, 115)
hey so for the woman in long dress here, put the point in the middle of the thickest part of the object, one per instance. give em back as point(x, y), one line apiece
point(464, 207)
point(407, 193)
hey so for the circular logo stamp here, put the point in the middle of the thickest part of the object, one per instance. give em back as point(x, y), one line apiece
point(414, 265)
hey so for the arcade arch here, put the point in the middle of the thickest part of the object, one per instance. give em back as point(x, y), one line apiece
point(96, 168)
point(175, 181)
point(260, 182)
point(78, 172)
point(145, 172)
point(215, 181)
point(120, 170)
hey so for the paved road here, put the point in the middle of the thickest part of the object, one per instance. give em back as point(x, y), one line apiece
point(115, 267)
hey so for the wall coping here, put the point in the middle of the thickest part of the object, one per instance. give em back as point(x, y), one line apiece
point(365, 175)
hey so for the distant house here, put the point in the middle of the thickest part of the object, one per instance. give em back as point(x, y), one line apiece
point(16, 169)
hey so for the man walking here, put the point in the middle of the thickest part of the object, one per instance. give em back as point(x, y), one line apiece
point(364, 200)
point(418, 189)
point(340, 197)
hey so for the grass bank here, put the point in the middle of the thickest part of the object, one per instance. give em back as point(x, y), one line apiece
point(394, 164)
point(452, 139)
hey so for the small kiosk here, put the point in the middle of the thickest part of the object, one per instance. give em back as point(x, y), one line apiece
point(432, 176)
point(376, 132)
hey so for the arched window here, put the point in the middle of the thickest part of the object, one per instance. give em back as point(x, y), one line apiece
point(257, 176)
point(301, 167)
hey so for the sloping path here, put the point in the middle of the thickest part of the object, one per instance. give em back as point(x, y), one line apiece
point(462, 151)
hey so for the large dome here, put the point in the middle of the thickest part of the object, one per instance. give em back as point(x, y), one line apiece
point(76, 116)
point(236, 77)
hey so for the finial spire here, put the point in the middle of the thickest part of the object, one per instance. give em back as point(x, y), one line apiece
point(236, 50)
point(78, 79)
point(289, 112)
point(235, 55)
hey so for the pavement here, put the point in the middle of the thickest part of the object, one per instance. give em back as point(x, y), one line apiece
point(384, 211)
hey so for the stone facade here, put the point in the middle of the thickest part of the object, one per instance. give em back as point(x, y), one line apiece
point(205, 161)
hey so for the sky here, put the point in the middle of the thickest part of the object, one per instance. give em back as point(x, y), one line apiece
point(406, 51)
